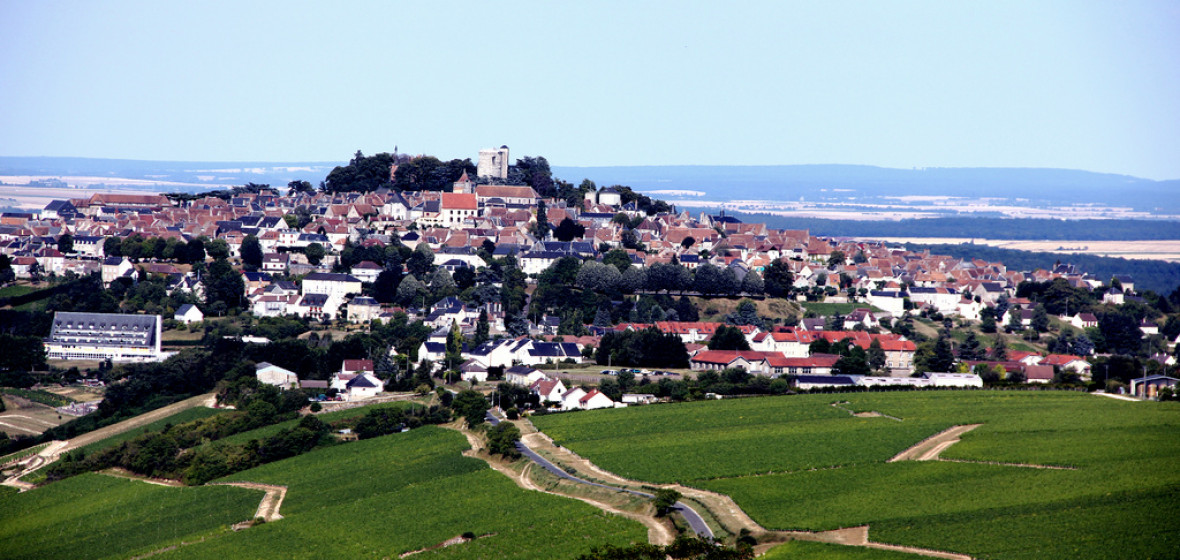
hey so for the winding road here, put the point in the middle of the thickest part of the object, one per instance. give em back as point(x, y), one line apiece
point(694, 519)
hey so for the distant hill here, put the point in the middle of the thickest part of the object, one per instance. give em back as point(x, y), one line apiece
point(213, 174)
point(832, 182)
point(813, 183)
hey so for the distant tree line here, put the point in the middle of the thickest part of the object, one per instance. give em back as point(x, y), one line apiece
point(983, 228)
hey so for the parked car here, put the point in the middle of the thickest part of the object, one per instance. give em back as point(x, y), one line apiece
point(609, 372)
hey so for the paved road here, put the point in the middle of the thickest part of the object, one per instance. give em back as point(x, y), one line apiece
point(694, 519)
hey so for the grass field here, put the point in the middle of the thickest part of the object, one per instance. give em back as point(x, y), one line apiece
point(385, 496)
point(16, 290)
point(97, 516)
point(181, 417)
point(828, 309)
point(798, 463)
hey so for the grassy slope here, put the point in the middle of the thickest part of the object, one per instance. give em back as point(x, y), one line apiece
point(1123, 453)
point(181, 417)
point(97, 516)
point(381, 497)
point(326, 417)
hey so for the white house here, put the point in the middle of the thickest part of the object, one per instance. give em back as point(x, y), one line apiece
point(363, 386)
point(366, 271)
point(549, 390)
point(523, 376)
point(595, 399)
point(571, 399)
point(188, 313)
point(271, 374)
point(332, 285)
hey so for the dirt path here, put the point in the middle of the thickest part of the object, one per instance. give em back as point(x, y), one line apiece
point(268, 508)
point(658, 532)
point(930, 448)
point(137, 422)
point(1118, 397)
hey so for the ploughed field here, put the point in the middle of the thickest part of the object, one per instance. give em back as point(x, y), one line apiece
point(799, 463)
point(376, 498)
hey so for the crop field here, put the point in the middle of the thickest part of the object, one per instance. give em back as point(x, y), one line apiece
point(382, 497)
point(98, 516)
point(805, 550)
point(704, 440)
point(181, 417)
point(816, 467)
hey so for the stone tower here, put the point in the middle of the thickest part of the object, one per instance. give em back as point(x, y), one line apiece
point(493, 163)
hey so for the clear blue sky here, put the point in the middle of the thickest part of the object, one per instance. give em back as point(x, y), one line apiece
point(1073, 84)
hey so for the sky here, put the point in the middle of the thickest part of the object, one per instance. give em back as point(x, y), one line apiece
point(1076, 84)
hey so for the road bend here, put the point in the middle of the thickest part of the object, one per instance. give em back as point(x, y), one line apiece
point(694, 519)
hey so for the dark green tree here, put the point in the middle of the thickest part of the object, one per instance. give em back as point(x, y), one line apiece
point(728, 338)
point(472, 406)
point(252, 252)
point(65, 243)
point(314, 253)
point(777, 279)
point(568, 230)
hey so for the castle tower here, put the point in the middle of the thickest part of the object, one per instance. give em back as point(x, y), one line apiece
point(493, 163)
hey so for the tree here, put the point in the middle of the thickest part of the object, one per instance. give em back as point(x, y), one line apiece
point(314, 253)
point(609, 386)
point(752, 284)
point(987, 320)
point(65, 243)
point(777, 279)
point(1040, 319)
point(472, 406)
point(297, 187)
point(568, 230)
point(708, 280)
point(971, 349)
point(836, 258)
point(6, 273)
point(665, 501)
point(617, 258)
point(502, 440)
point(598, 277)
point(252, 252)
point(223, 285)
point(386, 285)
point(409, 290)
point(194, 251)
point(999, 349)
point(852, 364)
point(876, 355)
point(482, 328)
point(541, 228)
point(112, 247)
point(728, 338)
point(218, 249)
point(421, 261)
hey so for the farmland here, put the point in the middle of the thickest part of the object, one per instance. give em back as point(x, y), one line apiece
point(759, 451)
point(96, 516)
point(374, 498)
point(384, 496)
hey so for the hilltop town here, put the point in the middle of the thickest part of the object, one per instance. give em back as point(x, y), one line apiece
point(532, 278)
point(186, 338)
